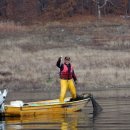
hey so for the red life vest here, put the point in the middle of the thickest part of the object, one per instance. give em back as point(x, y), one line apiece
point(65, 74)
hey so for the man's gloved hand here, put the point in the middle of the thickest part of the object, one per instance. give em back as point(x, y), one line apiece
point(76, 82)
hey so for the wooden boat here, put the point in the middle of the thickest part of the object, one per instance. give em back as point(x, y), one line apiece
point(41, 107)
point(18, 108)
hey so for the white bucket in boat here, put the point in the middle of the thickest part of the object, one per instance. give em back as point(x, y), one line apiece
point(16, 103)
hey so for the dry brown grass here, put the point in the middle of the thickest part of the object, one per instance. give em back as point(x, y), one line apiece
point(30, 56)
point(10, 26)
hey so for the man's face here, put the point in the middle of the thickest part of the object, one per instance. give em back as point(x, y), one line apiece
point(67, 61)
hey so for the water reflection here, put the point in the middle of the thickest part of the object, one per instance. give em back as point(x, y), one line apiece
point(55, 121)
point(74, 121)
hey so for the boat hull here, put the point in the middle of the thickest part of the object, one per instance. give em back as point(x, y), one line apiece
point(44, 107)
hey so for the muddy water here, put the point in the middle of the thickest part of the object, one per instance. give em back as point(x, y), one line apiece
point(115, 116)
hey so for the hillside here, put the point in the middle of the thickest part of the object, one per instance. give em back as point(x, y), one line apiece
point(99, 50)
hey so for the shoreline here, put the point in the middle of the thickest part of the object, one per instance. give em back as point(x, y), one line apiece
point(27, 96)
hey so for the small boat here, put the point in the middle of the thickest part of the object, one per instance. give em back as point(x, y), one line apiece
point(19, 108)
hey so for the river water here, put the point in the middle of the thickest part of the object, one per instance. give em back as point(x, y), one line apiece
point(115, 116)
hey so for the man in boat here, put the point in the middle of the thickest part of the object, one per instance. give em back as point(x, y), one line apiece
point(67, 78)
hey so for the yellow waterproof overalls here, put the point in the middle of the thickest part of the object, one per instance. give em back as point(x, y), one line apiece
point(67, 84)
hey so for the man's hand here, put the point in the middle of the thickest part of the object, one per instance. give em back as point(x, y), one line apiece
point(76, 82)
point(61, 58)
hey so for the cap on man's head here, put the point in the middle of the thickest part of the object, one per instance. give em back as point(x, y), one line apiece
point(67, 58)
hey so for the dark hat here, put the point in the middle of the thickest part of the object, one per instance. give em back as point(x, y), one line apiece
point(67, 58)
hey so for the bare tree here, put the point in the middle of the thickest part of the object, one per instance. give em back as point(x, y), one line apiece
point(127, 7)
point(41, 5)
point(128, 11)
point(3, 5)
point(101, 4)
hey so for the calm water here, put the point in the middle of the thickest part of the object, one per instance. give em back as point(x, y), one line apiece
point(115, 116)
